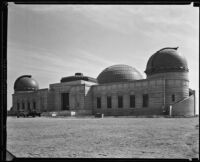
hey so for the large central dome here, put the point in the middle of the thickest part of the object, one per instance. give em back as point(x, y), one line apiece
point(119, 73)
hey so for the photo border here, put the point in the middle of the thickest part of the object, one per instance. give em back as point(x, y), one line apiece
point(3, 84)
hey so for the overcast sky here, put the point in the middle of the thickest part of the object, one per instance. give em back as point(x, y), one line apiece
point(53, 41)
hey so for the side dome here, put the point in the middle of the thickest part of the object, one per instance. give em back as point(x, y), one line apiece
point(119, 73)
point(166, 60)
point(26, 83)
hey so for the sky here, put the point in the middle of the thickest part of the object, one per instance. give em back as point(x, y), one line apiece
point(54, 41)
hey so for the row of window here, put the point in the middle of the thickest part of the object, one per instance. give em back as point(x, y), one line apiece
point(120, 101)
point(28, 105)
point(145, 101)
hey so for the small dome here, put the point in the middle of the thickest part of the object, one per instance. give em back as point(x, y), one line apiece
point(166, 60)
point(119, 73)
point(26, 83)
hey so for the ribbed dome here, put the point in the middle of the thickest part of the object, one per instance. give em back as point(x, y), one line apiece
point(118, 73)
point(26, 83)
point(166, 60)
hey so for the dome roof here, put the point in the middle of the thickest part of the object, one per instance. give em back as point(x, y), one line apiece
point(166, 60)
point(118, 73)
point(25, 83)
point(78, 76)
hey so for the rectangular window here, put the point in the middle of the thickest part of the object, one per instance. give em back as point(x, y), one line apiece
point(173, 97)
point(23, 106)
point(34, 105)
point(65, 101)
point(29, 107)
point(18, 106)
point(120, 101)
point(98, 102)
point(109, 102)
point(145, 100)
point(132, 101)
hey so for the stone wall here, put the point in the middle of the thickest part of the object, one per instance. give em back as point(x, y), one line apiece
point(130, 111)
point(88, 100)
point(170, 75)
point(177, 87)
point(83, 96)
point(42, 100)
point(76, 95)
point(154, 89)
point(159, 91)
point(184, 108)
point(39, 97)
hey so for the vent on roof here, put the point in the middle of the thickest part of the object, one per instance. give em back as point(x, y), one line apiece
point(78, 74)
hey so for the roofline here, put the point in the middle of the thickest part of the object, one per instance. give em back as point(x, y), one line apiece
point(175, 48)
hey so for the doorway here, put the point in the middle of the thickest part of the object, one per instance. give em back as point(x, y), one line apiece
point(65, 101)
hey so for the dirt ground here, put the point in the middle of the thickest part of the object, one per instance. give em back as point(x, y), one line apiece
point(103, 138)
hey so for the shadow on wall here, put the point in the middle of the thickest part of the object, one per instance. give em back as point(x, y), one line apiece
point(185, 107)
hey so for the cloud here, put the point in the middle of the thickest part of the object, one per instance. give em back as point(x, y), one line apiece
point(38, 8)
point(92, 58)
point(129, 19)
point(52, 41)
point(44, 62)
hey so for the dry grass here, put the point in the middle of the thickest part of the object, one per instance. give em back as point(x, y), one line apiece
point(107, 137)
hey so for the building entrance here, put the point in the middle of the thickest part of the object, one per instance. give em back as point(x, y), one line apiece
point(65, 101)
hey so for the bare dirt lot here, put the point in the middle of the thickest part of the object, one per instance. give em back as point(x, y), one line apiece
point(103, 138)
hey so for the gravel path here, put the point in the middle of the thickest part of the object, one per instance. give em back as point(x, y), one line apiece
point(103, 138)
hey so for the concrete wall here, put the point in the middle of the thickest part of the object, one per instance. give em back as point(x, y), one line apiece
point(180, 88)
point(83, 96)
point(88, 105)
point(130, 111)
point(184, 108)
point(154, 89)
point(76, 96)
point(159, 90)
point(39, 97)
point(80, 96)
point(42, 99)
point(170, 75)
point(68, 113)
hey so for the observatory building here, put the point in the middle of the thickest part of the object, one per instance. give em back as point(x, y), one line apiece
point(119, 90)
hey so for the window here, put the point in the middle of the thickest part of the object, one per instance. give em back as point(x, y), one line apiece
point(18, 106)
point(145, 100)
point(98, 102)
point(132, 101)
point(120, 101)
point(23, 105)
point(109, 102)
point(29, 106)
point(34, 105)
point(173, 97)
